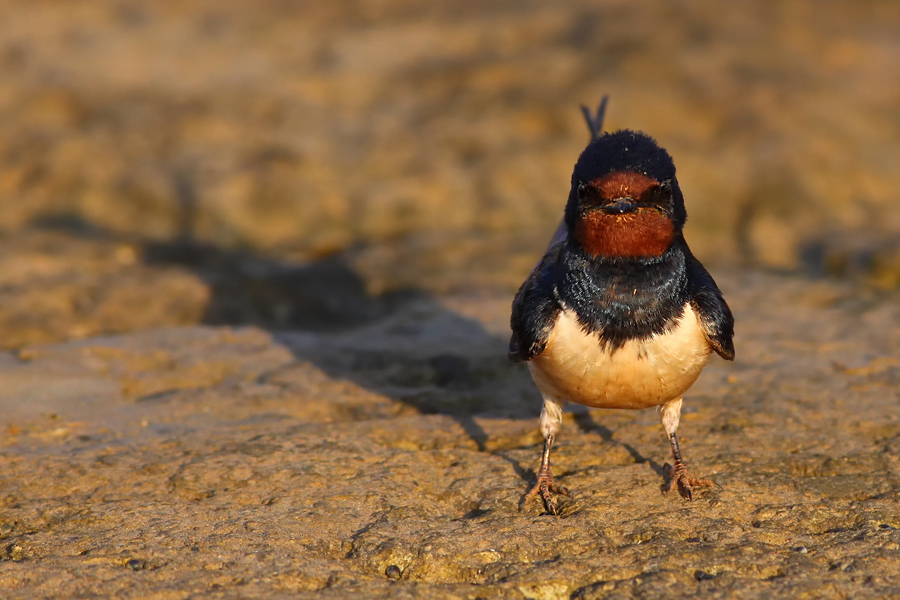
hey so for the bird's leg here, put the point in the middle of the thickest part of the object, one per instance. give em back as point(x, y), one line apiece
point(545, 486)
point(679, 474)
point(670, 415)
point(551, 418)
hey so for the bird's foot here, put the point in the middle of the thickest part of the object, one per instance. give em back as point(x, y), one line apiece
point(545, 488)
point(678, 475)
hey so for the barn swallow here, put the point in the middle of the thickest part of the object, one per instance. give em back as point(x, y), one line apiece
point(619, 313)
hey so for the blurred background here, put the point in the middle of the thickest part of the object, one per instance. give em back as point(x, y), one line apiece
point(311, 164)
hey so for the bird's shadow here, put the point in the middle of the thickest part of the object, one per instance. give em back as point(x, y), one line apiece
point(394, 344)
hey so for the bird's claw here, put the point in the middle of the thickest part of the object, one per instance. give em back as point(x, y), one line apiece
point(545, 488)
point(678, 475)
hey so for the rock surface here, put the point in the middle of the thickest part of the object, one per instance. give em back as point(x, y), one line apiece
point(389, 460)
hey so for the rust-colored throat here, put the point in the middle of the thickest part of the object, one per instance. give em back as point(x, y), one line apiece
point(644, 231)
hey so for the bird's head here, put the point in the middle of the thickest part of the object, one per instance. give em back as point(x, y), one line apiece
point(625, 201)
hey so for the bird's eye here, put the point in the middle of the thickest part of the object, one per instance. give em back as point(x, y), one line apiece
point(659, 195)
point(666, 188)
point(581, 190)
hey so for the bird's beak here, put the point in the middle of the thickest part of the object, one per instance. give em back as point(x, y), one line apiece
point(620, 206)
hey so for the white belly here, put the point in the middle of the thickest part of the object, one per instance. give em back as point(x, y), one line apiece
point(576, 367)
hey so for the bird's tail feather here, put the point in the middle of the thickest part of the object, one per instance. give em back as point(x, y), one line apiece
point(595, 122)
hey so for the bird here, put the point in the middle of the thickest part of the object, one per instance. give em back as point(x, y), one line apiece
point(619, 313)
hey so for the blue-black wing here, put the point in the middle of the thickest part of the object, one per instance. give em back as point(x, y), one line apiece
point(535, 309)
point(710, 306)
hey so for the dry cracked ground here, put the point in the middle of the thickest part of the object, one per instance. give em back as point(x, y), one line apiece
point(256, 262)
